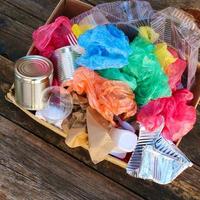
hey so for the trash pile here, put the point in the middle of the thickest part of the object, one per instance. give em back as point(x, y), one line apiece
point(121, 81)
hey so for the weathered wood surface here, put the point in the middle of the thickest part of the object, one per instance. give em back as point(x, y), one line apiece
point(184, 187)
point(32, 169)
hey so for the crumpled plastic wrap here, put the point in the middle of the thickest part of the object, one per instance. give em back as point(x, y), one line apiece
point(179, 31)
point(179, 117)
point(152, 83)
point(52, 36)
point(164, 56)
point(109, 98)
point(143, 73)
point(117, 74)
point(162, 162)
point(148, 33)
point(175, 70)
point(171, 63)
point(105, 47)
point(79, 30)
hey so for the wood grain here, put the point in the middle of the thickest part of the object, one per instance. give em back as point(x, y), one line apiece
point(33, 169)
point(40, 9)
point(15, 37)
point(11, 47)
point(15, 28)
point(186, 184)
point(20, 15)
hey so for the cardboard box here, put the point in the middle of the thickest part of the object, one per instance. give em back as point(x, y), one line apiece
point(71, 8)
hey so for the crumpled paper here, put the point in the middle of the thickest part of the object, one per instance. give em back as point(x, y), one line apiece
point(76, 130)
point(75, 124)
point(100, 142)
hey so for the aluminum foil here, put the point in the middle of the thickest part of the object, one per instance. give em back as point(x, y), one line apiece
point(157, 159)
point(145, 138)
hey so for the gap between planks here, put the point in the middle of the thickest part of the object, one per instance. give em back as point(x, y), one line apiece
point(52, 170)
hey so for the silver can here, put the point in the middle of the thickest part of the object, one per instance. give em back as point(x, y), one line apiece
point(32, 75)
point(65, 64)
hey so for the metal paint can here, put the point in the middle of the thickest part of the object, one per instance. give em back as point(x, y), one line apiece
point(32, 75)
point(65, 64)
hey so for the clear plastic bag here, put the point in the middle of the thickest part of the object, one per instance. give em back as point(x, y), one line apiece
point(125, 14)
point(179, 31)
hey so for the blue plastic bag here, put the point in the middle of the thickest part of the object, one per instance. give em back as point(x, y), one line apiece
point(105, 47)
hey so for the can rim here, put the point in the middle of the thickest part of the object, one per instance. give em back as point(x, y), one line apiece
point(29, 78)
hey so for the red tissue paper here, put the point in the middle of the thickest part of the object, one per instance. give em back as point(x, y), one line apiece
point(179, 117)
point(52, 36)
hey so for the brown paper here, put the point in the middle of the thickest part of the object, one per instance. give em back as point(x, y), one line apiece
point(75, 127)
point(77, 137)
point(100, 142)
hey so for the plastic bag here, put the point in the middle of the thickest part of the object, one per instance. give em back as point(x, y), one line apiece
point(109, 98)
point(171, 64)
point(143, 73)
point(79, 30)
point(105, 47)
point(148, 33)
point(173, 25)
point(117, 74)
point(175, 70)
point(52, 36)
point(152, 83)
point(179, 117)
point(179, 31)
point(114, 12)
point(164, 56)
point(90, 19)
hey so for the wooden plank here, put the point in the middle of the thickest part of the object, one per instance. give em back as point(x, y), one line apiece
point(182, 188)
point(40, 9)
point(15, 28)
point(19, 15)
point(15, 37)
point(30, 166)
point(11, 47)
